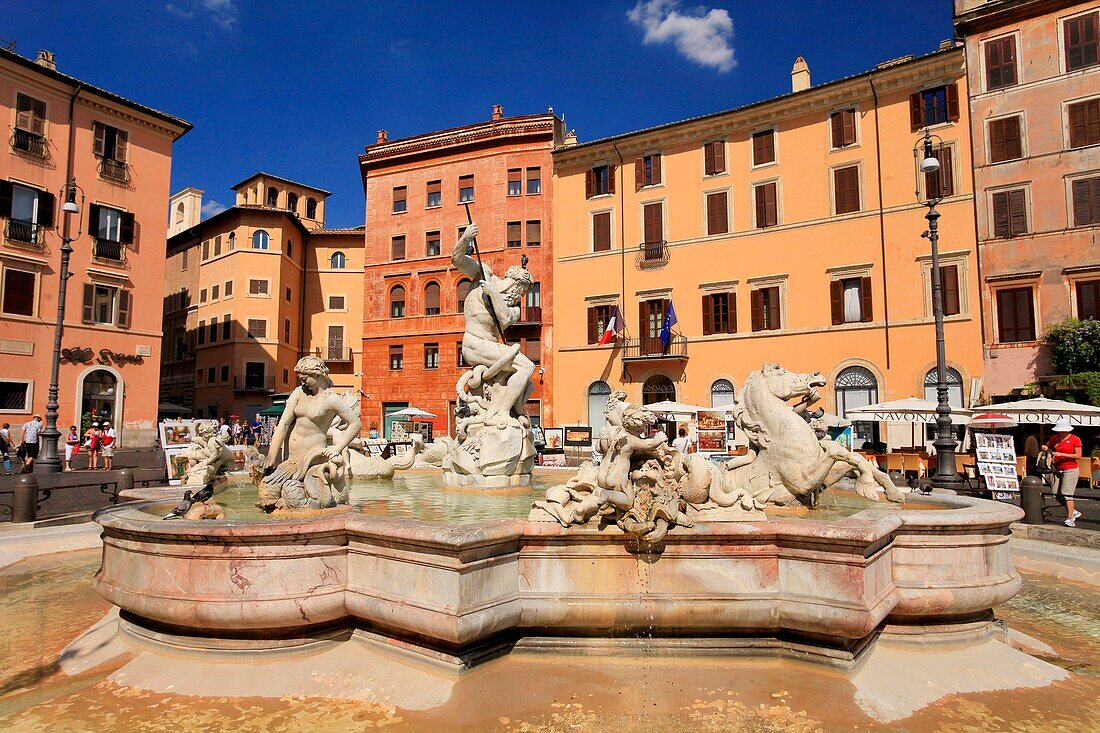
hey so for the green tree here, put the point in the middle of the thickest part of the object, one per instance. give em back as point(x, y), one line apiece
point(1074, 346)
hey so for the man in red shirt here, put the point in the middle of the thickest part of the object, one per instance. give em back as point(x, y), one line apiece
point(1065, 450)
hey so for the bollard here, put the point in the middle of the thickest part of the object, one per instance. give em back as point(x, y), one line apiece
point(25, 502)
point(1031, 499)
point(125, 483)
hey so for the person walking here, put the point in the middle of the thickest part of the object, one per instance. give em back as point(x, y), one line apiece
point(5, 448)
point(682, 442)
point(72, 446)
point(107, 450)
point(92, 439)
point(238, 433)
point(1065, 450)
point(31, 430)
point(1031, 452)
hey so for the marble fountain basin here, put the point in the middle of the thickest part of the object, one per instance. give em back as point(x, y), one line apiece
point(822, 590)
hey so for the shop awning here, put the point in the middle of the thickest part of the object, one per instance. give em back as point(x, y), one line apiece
point(1045, 411)
point(908, 410)
point(273, 411)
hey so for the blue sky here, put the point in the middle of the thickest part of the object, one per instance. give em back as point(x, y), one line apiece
point(298, 88)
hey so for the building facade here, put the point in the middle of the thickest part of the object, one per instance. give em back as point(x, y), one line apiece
point(785, 231)
point(419, 192)
point(251, 290)
point(119, 154)
point(1034, 71)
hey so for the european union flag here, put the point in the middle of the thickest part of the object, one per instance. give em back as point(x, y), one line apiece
point(670, 321)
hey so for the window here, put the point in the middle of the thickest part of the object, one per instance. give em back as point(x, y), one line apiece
point(1082, 43)
point(336, 303)
point(767, 210)
point(286, 330)
point(534, 181)
point(766, 314)
point(113, 229)
point(532, 349)
point(211, 374)
point(397, 247)
point(1084, 123)
point(336, 344)
point(651, 318)
point(1009, 213)
point(431, 299)
point(934, 106)
point(647, 171)
point(850, 300)
point(400, 202)
point(30, 115)
point(1086, 201)
point(534, 233)
point(28, 210)
point(601, 231)
point(228, 290)
point(1015, 315)
point(106, 305)
point(653, 224)
point(397, 358)
point(515, 181)
point(461, 292)
point(206, 250)
point(202, 333)
point(311, 208)
point(109, 143)
point(658, 388)
point(843, 124)
point(599, 181)
point(763, 147)
point(257, 328)
point(721, 393)
point(1004, 140)
point(431, 356)
point(533, 299)
point(1000, 63)
point(202, 295)
point(215, 292)
point(15, 396)
point(1088, 299)
point(465, 189)
point(213, 329)
point(260, 239)
point(949, 285)
point(217, 245)
point(598, 392)
point(941, 184)
point(460, 361)
point(227, 327)
point(289, 248)
point(225, 373)
point(338, 261)
point(292, 202)
point(846, 189)
point(432, 246)
point(719, 313)
point(954, 383)
point(857, 387)
point(714, 157)
point(232, 241)
point(598, 318)
point(257, 287)
point(718, 213)
point(272, 197)
point(19, 289)
point(183, 259)
point(435, 194)
point(515, 234)
point(397, 302)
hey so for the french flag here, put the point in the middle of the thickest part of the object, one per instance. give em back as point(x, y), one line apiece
point(614, 326)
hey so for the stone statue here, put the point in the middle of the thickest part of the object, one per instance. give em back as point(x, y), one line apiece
point(494, 446)
point(314, 474)
point(364, 466)
point(208, 456)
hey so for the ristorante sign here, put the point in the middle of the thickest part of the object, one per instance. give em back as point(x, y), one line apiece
point(85, 355)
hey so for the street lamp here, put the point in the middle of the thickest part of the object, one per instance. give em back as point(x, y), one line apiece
point(48, 459)
point(929, 153)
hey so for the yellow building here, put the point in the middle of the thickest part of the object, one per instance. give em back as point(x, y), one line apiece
point(251, 290)
point(785, 231)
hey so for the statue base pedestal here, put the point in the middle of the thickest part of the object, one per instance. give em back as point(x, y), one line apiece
point(713, 513)
point(468, 481)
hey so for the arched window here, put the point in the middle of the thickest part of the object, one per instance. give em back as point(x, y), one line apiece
point(272, 197)
point(397, 302)
point(179, 213)
point(658, 388)
point(463, 290)
point(260, 239)
point(721, 393)
point(598, 392)
point(954, 387)
point(856, 387)
point(338, 261)
point(292, 202)
point(311, 208)
point(431, 299)
point(232, 241)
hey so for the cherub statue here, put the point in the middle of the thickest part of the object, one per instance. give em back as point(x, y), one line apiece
point(207, 456)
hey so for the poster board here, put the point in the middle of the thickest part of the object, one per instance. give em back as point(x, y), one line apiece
point(578, 436)
point(996, 456)
point(714, 432)
point(555, 438)
point(175, 439)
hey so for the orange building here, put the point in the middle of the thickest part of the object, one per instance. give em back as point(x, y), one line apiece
point(417, 189)
point(784, 231)
point(1034, 72)
point(251, 290)
point(119, 154)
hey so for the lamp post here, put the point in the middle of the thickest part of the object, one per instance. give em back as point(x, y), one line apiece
point(48, 459)
point(928, 153)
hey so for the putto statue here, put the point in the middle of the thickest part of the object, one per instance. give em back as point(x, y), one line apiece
point(494, 446)
point(315, 474)
point(208, 456)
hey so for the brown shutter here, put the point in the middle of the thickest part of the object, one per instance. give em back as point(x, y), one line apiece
point(866, 306)
point(45, 210)
point(1006, 321)
point(947, 172)
point(837, 129)
point(1082, 203)
point(6, 194)
point(1077, 125)
point(1001, 224)
point(850, 127)
point(654, 224)
point(656, 168)
point(643, 331)
point(708, 315)
point(593, 326)
point(93, 220)
point(89, 297)
point(1017, 212)
point(708, 159)
point(717, 213)
point(756, 301)
point(601, 232)
point(639, 173)
point(127, 228)
point(916, 111)
point(124, 308)
point(761, 207)
point(589, 183)
point(949, 282)
point(719, 156)
point(836, 301)
point(731, 303)
point(99, 142)
point(777, 317)
point(952, 102)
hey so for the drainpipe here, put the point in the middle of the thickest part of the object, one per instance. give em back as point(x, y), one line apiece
point(881, 227)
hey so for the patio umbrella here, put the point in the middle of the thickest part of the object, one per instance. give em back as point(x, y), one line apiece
point(1044, 411)
point(992, 420)
point(908, 410)
point(668, 407)
point(412, 412)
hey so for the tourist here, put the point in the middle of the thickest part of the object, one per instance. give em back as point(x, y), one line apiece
point(92, 439)
point(682, 443)
point(108, 448)
point(373, 432)
point(1031, 452)
point(31, 430)
point(5, 447)
point(249, 433)
point(72, 445)
point(1065, 449)
point(224, 429)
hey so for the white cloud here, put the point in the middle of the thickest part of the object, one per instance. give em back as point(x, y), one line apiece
point(222, 13)
point(701, 35)
point(212, 208)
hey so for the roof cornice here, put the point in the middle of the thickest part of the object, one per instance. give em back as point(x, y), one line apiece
point(458, 137)
point(998, 13)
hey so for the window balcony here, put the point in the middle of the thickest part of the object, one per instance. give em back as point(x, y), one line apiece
point(335, 354)
point(114, 170)
point(22, 233)
point(109, 251)
point(253, 383)
point(652, 255)
point(530, 315)
point(654, 349)
point(31, 143)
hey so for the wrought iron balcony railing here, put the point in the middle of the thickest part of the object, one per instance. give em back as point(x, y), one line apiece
point(105, 249)
point(30, 143)
point(335, 353)
point(253, 383)
point(114, 170)
point(530, 314)
point(22, 232)
point(652, 254)
point(655, 348)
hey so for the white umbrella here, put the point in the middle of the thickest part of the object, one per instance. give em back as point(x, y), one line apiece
point(908, 410)
point(1044, 411)
point(411, 412)
point(990, 420)
point(669, 407)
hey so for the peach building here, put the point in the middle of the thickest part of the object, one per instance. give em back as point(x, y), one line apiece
point(119, 154)
point(1034, 71)
point(417, 189)
point(251, 290)
point(783, 231)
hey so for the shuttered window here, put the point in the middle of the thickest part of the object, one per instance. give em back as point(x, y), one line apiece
point(1084, 123)
point(653, 219)
point(515, 181)
point(1004, 140)
point(843, 125)
point(397, 248)
point(397, 302)
point(431, 356)
point(18, 295)
point(1015, 315)
point(1088, 299)
point(767, 210)
point(718, 213)
point(949, 283)
point(1086, 201)
point(397, 358)
point(1009, 213)
point(534, 180)
point(257, 287)
point(1000, 63)
point(647, 171)
point(400, 199)
point(435, 194)
point(763, 147)
point(1082, 41)
point(599, 181)
point(941, 183)
point(515, 234)
point(106, 305)
point(30, 114)
point(850, 300)
point(598, 317)
point(766, 314)
point(431, 244)
point(336, 303)
point(109, 142)
point(719, 313)
point(534, 233)
point(601, 231)
point(714, 157)
point(465, 189)
point(846, 189)
point(934, 106)
point(431, 299)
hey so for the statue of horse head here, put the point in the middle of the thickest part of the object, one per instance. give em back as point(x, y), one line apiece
point(762, 402)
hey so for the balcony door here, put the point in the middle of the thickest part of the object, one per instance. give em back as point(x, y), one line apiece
point(254, 374)
point(336, 343)
point(652, 320)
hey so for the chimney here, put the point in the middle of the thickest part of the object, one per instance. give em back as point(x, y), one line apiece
point(383, 136)
point(45, 58)
point(570, 139)
point(498, 112)
point(800, 75)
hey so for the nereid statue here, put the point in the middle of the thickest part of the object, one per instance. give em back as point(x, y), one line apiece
point(208, 456)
